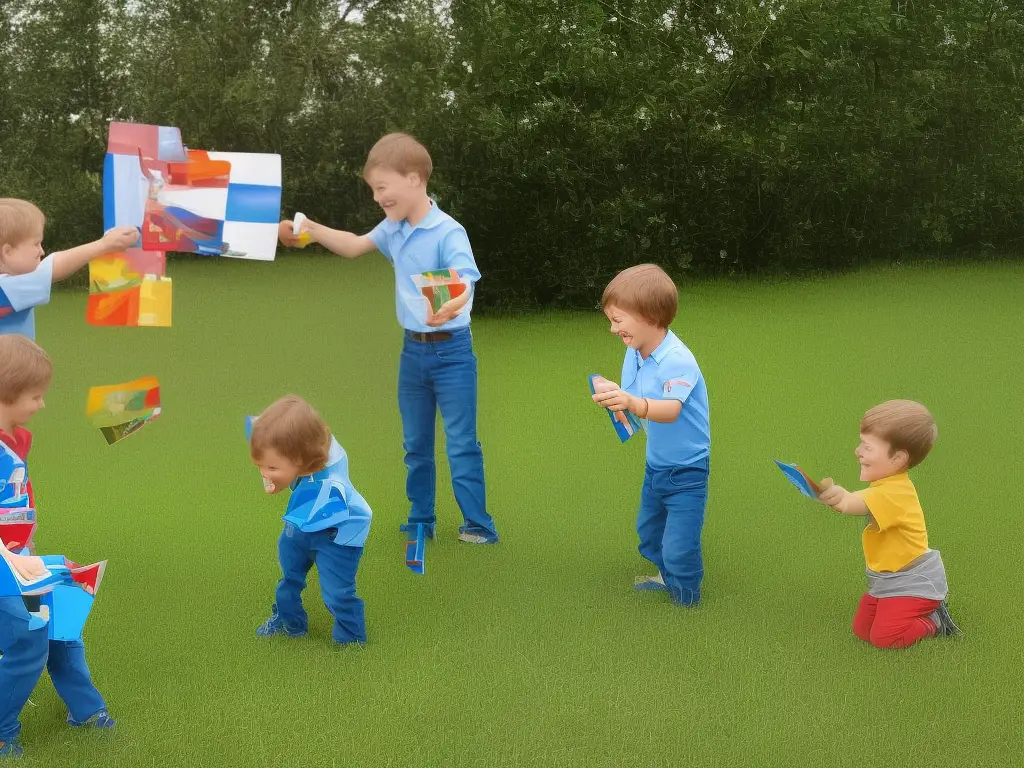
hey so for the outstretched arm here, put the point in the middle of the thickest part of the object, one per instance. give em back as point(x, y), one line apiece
point(66, 263)
point(347, 244)
point(842, 500)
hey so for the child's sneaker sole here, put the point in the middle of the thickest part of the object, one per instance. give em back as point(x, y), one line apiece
point(649, 584)
point(475, 538)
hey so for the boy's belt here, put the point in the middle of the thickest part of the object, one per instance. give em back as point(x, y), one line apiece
point(431, 336)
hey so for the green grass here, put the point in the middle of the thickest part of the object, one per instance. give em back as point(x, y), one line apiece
point(537, 652)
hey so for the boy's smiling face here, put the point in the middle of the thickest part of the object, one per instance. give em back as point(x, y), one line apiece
point(635, 332)
point(23, 257)
point(877, 459)
point(25, 406)
point(395, 193)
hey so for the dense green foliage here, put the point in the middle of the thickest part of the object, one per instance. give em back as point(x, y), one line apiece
point(572, 137)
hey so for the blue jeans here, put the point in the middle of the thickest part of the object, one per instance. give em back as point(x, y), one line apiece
point(25, 653)
point(669, 523)
point(336, 566)
point(442, 374)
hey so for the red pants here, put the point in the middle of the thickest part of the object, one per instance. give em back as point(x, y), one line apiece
point(894, 622)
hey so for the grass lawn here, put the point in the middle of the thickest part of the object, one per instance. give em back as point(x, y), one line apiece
point(537, 652)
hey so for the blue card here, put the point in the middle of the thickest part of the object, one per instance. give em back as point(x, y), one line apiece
point(799, 479)
point(625, 423)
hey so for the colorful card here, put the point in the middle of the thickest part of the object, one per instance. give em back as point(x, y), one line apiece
point(799, 479)
point(129, 289)
point(626, 424)
point(440, 286)
point(191, 200)
point(67, 592)
point(17, 528)
point(59, 571)
point(120, 410)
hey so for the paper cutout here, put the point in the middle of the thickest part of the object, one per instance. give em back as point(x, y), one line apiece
point(67, 589)
point(416, 546)
point(13, 479)
point(18, 528)
point(799, 479)
point(439, 286)
point(129, 289)
point(120, 410)
point(626, 424)
point(188, 200)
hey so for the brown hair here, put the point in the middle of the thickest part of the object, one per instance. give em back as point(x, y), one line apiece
point(291, 427)
point(19, 220)
point(644, 290)
point(905, 425)
point(24, 367)
point(401, 153)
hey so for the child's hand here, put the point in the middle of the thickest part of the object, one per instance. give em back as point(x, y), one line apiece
point(831, 494)
point(120, 238)
point(28, 567)
point(284, 234)
point(608, 395)
point(447, 311)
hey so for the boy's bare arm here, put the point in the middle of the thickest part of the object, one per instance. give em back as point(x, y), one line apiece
point(653, 409)
point(611, 397)
point(842, 500)
point(347, 244)
point(66, 263)
point(448, 310)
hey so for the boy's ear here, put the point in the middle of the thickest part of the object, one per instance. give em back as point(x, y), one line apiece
point(900, 457)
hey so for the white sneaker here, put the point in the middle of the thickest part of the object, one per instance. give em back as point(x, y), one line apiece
point(472, 538)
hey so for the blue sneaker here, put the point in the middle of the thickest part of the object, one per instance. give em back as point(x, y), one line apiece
point(10, 749)
point(275, 626)
point(101, 719)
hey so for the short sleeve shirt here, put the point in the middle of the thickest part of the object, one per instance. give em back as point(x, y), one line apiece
point(895, 535)
point(437, 242)
point(671, 373)
point(20, 294)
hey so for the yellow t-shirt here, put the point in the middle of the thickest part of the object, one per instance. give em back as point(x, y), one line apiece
point(895, 534)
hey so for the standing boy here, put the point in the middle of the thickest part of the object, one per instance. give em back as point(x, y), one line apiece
point(438, 368)
point(662, 385)
point(25, 373)
point(326, 523)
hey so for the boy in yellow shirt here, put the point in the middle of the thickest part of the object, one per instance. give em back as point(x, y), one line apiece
point(905, 601)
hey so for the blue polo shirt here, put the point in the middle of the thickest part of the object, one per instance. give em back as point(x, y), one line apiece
point(437, 242)
point(20, 293)
point(327, 499)
point(671, 373)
